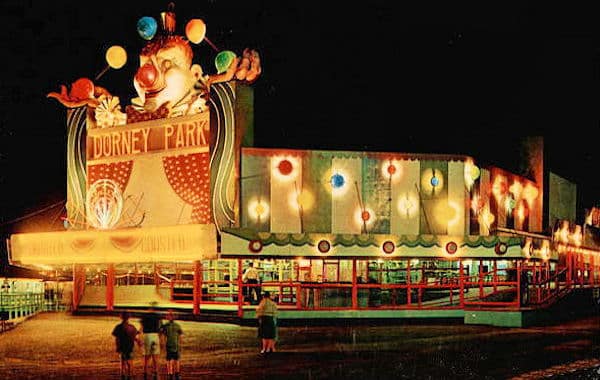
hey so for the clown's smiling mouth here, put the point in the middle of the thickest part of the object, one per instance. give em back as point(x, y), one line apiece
point(151, 94)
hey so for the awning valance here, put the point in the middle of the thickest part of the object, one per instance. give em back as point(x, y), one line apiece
point(150, 244)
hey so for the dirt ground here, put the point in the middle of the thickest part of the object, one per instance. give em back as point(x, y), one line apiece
point(62, 346)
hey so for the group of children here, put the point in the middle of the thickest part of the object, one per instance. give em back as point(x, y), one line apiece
point(153, 332)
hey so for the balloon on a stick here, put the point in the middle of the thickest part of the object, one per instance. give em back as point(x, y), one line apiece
point(195, 31)
point(116, 57)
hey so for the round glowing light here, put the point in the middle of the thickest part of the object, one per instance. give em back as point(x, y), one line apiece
point(501, 248)
point(285, 167)
point(147, 27)
point(391, 169)
point(451, 247)
point(435, 181)
point(116, 56)
point(337, 181)
point(388, 246)
point(324, 246)
point(260, 209)
point(365, 215)
point(306, 199)
point(255, 246)
point(195, 30)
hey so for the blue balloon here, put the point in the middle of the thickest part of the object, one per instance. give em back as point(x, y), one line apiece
point(146, 27)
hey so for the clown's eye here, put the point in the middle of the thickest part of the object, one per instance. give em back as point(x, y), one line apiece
point(166, 64)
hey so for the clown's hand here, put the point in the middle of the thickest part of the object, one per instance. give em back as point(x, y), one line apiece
point(249, 68)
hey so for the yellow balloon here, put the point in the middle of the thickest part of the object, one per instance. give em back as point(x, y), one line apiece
point(116, 56)
point(195, 30)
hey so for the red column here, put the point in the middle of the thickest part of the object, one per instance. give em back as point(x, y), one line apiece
point(461, 281)
point(408, 282)
point(354, 288)
point(76, 286)
point(519, 269)
point(197, 286)
point(240, 285)
point(110, 287)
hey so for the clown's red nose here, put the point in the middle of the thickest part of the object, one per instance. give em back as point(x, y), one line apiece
point(146, 75)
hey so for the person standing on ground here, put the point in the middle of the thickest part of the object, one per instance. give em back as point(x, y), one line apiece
point(250, 276)
point(266, 312)
point(172, 333)
point(150, 329)
point(126, 335)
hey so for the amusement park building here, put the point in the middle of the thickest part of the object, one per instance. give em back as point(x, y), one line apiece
point(171, 208)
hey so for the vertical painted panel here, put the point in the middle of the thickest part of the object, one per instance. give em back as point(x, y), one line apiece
point(434, 199)
point(345, 202)
point(255, 188)
point(405, 199)
point(316, 166)
point(457, 198)
point(484, 194)
point(376, 195)
point(285, 213)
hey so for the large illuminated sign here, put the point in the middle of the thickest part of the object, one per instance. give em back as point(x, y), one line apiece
point(161, 168)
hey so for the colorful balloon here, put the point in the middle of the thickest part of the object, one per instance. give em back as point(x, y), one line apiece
point(223, 60)
point(195, 30)
point(116, 57)
point(147, 27)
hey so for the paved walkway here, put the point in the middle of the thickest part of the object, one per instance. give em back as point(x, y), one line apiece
point(61, 346)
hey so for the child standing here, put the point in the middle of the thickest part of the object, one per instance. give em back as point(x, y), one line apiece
point(172, 333)
point(126, 335)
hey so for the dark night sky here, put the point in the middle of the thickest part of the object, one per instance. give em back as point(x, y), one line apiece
point(466, 78)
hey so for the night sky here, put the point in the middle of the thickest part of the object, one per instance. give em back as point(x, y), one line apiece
point(436, 77)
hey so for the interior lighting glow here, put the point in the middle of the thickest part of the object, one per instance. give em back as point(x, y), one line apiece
point(499, 187)
point(530, 192)
point(407, 205)
point(516, 189)
point(258, 209)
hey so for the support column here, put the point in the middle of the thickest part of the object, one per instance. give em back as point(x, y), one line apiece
point(354, 287)
point(408, 282)
point(461, 282)
point(240, 285)
point(76, 291)
point(110, 287)
point(197, 286)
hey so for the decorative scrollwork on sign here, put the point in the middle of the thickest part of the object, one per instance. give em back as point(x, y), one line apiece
point(104, 204)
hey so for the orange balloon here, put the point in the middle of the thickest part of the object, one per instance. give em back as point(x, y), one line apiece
point(195, 30)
